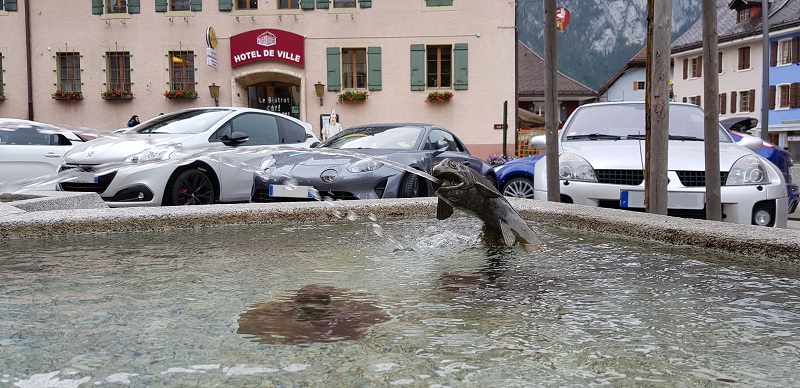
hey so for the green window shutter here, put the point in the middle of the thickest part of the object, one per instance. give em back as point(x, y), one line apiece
point(334, 69)
point(417, 67)
point(11, 5)
point(460, 66)
point(133, 6)
point(323, 4)
point(197, 5)
point(374, 81)
point(366, 3)
point(307, 4)
point(225, 5)
point(161, 5)
point(97, 7)
point(438, 3)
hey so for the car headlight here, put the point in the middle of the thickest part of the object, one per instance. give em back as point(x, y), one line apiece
point(748, 170)
point(364, 165)
point(150, 155)
point(575, 168)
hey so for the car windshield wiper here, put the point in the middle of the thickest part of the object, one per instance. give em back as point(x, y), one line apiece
point(679, 137)
point(594, 136)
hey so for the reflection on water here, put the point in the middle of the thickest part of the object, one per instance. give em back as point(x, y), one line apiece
point(315, 313)
point(176, 308)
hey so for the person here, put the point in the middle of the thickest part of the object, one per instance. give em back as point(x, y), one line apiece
point(331, 128)
point(134, 121)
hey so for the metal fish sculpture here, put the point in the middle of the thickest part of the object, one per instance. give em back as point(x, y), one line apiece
point(462, 187)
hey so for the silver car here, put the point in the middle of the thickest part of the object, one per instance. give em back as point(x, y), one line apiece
point(190, 157)
point(31, 152)
point(602, 157)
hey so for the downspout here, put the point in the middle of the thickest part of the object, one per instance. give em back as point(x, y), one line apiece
point(28, 57)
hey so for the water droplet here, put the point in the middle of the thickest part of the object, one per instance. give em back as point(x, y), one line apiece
point(377, 229)
point(372, 217)
point(351, 215)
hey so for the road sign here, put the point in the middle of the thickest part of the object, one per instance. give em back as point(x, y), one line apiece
point(498, 126)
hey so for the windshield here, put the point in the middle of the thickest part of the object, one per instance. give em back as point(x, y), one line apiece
point(185, 122)
point(627, 121)
point(403, 137)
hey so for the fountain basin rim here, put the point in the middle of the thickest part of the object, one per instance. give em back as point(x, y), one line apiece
point(746, 240)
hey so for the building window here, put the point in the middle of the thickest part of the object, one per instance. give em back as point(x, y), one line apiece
point(743, 15)
point(747, 101)
point(180, 5)
point(697, 64)
point(438, 3)
point(181, 70)
point(784, 94)
point(723, 103)
point(638, 85)
point(344, 3)
point(439, 66)
point(117, 6)
point(69, 72)
point(694, 100)
point(288, 4)
point(744, 58)
point(785, 52)
point(354, 68)
point(719, 62)
point(118, 67)
point(246, 4)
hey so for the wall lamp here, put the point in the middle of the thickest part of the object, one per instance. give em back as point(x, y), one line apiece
point(213, 89)
point(319, 87)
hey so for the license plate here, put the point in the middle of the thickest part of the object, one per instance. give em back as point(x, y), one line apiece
point(290, 191)
point(86, 177)
point(675, 200)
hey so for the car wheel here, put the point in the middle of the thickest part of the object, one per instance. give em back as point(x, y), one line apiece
point(492, 180)
point(519, 187)
point(192, 187)
point(409, 186)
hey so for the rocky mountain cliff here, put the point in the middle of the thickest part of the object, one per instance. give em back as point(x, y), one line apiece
point(602, 35)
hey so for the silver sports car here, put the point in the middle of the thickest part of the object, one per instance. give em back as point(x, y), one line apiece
point(364, 162)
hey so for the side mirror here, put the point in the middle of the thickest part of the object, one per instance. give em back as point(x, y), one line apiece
point(235, 139)
point(538, 142)
point(315, 144)
point(441, 146)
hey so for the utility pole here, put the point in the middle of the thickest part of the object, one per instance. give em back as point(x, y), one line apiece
point(711, 110)
point(765, 70)
point(550, 101)
point(659, 17)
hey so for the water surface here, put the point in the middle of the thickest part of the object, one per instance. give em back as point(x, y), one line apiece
point(164, 308)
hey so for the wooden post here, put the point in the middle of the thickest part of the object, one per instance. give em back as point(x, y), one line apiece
point(550, 101)
point(711, 110)
point(657, 101)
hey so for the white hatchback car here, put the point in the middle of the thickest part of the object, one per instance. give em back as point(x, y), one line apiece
point(602, 156)
point(30, 151)
point(190, 157)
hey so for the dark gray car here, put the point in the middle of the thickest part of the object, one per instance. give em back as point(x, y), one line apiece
point(364, 162)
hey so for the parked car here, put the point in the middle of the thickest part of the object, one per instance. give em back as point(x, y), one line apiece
point(190, 157)
point(781, 157)
point(31, 150)
point(515, 177)
point(363, 162)
point(602, 153)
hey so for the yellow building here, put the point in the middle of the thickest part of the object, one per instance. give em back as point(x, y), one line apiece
point(96, 63)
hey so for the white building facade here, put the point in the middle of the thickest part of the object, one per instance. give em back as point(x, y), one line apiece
point(96, 63)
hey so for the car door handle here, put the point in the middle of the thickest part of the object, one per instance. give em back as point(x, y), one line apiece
point(52, 155)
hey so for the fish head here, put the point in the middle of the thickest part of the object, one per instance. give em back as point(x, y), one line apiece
point(452, 176)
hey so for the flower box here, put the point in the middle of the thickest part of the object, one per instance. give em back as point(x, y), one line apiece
point(67, 95)
point(438, 97)
point(353, 96)
point(180, 94)
point(116, 94)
